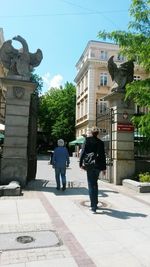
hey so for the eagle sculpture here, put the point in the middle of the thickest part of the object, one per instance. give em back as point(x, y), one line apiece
point(19, 62)
point(122, 74)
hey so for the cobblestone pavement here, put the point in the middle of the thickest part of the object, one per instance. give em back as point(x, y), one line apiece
point(118, 235)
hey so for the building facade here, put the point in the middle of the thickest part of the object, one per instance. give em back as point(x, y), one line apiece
point(93, 82)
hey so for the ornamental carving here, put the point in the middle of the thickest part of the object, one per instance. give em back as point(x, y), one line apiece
point(18, 92)
point(19, 61)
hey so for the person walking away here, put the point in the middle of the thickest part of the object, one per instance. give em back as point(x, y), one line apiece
point(60, 161)
point(95, 145)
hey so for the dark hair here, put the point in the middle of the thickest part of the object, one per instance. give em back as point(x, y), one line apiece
point(95, 134)
point(95, 131)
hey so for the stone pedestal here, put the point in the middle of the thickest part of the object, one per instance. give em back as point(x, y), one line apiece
point(14, 161)
point(122, 137)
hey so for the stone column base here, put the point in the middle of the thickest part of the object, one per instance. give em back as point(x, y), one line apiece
point(122, 169)
point(14, 169)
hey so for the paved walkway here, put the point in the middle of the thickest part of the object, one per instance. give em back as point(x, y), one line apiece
point(117, 236)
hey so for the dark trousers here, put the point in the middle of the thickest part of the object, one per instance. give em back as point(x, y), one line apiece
point(92, 178)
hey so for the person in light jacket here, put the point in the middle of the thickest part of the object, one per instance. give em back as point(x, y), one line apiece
point(60, 161)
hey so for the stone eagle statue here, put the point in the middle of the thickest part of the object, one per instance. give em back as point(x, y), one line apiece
point(19, 62)
point(120, 75)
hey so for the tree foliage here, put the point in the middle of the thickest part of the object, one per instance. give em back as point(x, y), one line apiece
point(135, 44)
point(38, 80)
point(142, 99)
point(57, 112)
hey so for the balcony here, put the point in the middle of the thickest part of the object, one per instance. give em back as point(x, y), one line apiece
point(82, 119)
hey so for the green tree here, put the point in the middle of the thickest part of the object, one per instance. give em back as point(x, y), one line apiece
point(57, 112)
point(135, 44)
point(39, 82)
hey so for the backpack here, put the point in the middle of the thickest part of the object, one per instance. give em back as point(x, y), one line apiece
point(89, 160)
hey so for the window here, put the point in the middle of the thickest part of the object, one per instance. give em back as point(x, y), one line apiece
point(141, 110)
point(78, 90)
point(103, 55)
point(102, 107)
point(86, 104)
point(92, 54)
point(86, 81)
point(81, 109)
point(103, 79)
point(78, 112)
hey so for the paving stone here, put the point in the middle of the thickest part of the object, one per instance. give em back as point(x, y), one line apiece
point(27, 240)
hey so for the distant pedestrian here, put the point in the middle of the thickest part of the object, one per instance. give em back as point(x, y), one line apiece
point(60, 161)
point(95, 145)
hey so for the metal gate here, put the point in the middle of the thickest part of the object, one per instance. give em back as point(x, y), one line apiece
point(2, 122)
point(104, 120)
point(32, 138)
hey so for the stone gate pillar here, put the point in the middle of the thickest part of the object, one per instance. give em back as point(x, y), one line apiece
point(14, 161)
point(18, 65)
point(122, 137)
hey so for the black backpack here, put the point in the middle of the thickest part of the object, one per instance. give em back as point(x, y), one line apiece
point(89, 160)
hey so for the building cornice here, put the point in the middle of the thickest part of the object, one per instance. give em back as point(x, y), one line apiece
point(101, 44)
point(90, 63)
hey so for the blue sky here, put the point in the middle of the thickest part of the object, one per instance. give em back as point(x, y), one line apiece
point(61, 29)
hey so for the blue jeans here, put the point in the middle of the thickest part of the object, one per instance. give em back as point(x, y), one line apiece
point(92, 178)
point(60, 173)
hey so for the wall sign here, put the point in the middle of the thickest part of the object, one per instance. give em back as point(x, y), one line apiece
point(123, 127)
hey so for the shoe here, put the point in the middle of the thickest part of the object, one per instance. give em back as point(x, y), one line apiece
point(96, 208)
point(58, 188)
point(64, 188)
point(93, 210)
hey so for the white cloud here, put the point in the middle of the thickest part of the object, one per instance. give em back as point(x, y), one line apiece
point(48, 81)
point(56, 81)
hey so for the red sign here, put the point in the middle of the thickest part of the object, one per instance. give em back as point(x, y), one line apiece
point(125, 127)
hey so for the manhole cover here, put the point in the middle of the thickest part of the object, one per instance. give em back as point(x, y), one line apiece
point(101, 204)
point(25, 239)
point(28, 240)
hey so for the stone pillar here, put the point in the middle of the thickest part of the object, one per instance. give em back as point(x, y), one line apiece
point(122, 137)
point(14, 161)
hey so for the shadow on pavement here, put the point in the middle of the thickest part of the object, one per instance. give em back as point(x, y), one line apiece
point(48, 186)
point(105, 192)
point(120, 214)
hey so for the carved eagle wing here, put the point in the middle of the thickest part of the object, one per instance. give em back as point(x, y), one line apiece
point(112, 68)
point(36, 58)
point(7, 53)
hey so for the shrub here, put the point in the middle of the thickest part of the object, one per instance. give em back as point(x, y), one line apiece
point(144, 177)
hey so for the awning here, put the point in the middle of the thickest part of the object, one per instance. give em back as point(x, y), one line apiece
point(1, 136)
point(78, 141)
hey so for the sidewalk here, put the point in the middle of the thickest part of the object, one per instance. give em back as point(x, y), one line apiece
point(57, 228)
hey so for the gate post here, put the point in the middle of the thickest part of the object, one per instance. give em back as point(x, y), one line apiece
point(122, 137)
point(19, 65)
point(14, 162)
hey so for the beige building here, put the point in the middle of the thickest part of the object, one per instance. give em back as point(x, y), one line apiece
point(93, 81)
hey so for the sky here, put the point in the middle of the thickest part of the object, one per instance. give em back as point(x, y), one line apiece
point(61, 29)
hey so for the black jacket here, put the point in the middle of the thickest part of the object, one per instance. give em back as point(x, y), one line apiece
point(94, 144)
